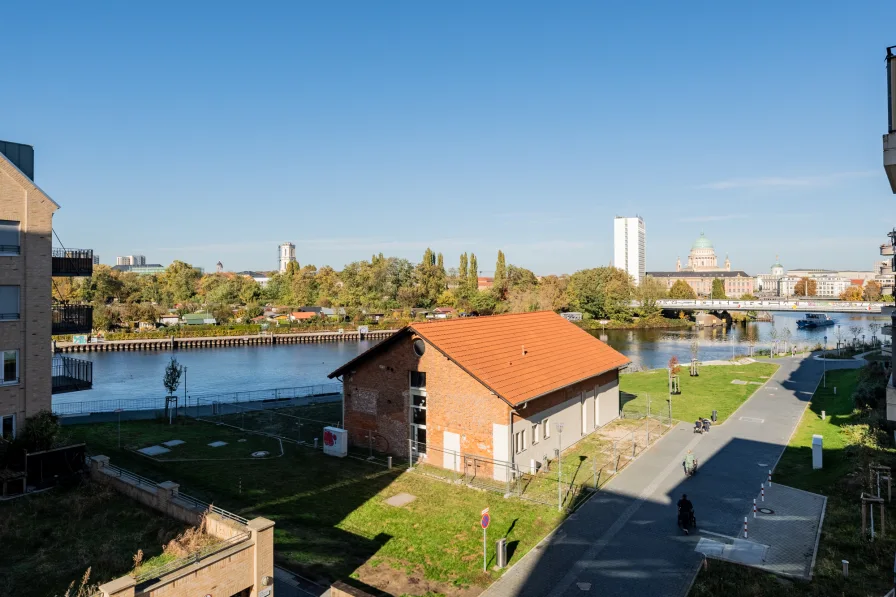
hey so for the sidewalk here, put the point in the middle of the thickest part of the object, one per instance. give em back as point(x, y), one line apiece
point(625, 540)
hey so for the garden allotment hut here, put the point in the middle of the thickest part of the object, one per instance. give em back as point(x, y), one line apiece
point(491, 387)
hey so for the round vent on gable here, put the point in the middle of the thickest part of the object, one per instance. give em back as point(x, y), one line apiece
point(419, 347)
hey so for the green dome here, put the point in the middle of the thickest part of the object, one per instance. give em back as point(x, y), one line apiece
point(702, 243)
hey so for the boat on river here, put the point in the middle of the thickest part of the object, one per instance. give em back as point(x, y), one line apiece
point(815, 320)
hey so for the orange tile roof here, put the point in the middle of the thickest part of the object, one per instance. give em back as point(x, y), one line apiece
point(303, 314)
point(491, 349)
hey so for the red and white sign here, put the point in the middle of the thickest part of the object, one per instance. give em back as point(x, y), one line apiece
point(485, 520)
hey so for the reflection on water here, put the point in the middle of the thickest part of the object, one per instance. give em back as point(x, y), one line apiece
point(239, 368)
point(653, 348)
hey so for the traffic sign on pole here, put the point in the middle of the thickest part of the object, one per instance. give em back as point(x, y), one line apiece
point(484, 523)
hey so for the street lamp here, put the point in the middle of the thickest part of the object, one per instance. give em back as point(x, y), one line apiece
point(863, 341)
point(118, 410)
point(824, 375)
point(559, 428)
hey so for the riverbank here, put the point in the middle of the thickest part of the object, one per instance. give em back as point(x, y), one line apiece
point(176, 343)
point(644, 323)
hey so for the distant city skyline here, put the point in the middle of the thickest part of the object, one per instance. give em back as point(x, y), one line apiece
point(391, 128)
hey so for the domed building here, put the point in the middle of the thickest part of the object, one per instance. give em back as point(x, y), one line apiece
point(702, 258)
point(702, 268)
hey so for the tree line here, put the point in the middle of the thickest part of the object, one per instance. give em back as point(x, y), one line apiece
point(381, 284)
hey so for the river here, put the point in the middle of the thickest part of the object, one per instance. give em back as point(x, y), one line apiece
point(138, 374)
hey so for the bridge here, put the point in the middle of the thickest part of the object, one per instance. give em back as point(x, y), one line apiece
point(808, 305)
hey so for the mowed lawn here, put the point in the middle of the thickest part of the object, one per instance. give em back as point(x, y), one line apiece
point(711, 390)
point(870, 563)
point(50, 539)
point(332, 519)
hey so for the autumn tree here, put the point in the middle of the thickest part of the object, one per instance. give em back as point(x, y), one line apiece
point(872, 291)
point(552, 293)
point(649, 292)
point(852, 294)
point(805, 287)
point(681, 290)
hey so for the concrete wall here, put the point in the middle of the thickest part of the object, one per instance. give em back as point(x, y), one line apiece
point(248, 564)
point(21, 201)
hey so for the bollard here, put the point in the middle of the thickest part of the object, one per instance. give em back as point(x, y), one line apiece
point(835, 393)
point(315, 443)
point(388, 462)
point(754, 507)
point(845, 567)
point(501, 552)
point(769, 477)
point(745, 527)
point(823, 416)
point(762, 490)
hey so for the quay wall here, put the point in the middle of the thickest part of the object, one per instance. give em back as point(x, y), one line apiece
point(175, 343)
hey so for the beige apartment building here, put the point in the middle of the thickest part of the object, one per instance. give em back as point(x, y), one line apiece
point(30, 375)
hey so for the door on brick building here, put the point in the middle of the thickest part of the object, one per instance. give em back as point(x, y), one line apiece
point(418, 413)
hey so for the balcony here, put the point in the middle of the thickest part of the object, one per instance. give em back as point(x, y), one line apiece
point(886, 250)
point(71, 375)
point(72, 319)
point(73, 262)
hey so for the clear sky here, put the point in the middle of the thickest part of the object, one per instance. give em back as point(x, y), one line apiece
point(208, 131)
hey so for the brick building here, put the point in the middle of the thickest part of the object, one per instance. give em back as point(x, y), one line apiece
point(494, 387)
point(29, 375)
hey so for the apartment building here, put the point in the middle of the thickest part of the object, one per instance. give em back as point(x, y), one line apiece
point(28, 317)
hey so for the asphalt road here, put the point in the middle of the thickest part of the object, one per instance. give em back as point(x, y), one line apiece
point(625, 540)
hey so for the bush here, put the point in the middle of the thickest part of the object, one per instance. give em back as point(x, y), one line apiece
point(41, 432)
point(871, 389)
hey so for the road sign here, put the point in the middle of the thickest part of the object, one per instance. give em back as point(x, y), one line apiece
point(485, 520)
point(484, 512)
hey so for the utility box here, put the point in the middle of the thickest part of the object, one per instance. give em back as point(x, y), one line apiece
point(817, 442)
point(335, 442)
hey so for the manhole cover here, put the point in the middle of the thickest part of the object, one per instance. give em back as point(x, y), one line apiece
point(260, 454)
point(766, 511)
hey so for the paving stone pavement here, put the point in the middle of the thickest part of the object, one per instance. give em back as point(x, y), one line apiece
point(791, 532)
point(625, 540)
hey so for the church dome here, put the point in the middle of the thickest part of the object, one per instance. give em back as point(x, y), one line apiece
point(702, 243)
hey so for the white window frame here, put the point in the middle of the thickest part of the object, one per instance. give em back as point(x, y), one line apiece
point(546, 424)
point(520, 441)
point(2, 418)
point(3, 381)
point(535, 433)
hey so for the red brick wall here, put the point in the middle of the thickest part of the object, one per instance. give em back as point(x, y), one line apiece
point(456, 402)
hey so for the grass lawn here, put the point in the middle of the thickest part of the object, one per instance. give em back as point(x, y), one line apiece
point(332, 520)
point(870, 570)
point(300, 423)
point(49, 539)
point(711, 390)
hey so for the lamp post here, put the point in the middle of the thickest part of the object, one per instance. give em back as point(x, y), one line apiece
point(559, 427)
point(118, 410)
point(185, 391)
point(863, 341)
point(824, 375)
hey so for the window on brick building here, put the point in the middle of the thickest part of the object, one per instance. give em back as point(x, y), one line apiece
point(418, 379)
point(8, 427)
point(9, 302)
point(10, 374)
point(9, 238)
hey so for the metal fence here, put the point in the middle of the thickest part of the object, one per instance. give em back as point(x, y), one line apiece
point(564, 482)
point(189, 560)
point(269, 396)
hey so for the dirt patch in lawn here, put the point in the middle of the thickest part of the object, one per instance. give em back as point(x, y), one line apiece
point(410, 581)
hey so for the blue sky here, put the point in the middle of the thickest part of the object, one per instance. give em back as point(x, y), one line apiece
point(212, 131)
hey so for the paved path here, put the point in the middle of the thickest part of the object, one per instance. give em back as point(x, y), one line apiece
point(625, 541)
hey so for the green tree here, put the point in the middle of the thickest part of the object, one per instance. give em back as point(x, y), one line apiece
point(171, 379)
point(180, 281)
point(483, 302)
point(681, 290)
point(473, 275)
point(499, 287)
point(519, 278)
point(462, 271)
point(718, 289)
point(601, 292)
point(327, 286)
point(552, 293)
point(649, 292)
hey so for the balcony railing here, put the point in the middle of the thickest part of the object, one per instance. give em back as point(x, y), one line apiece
point(71, 375)
point(73, 262)
point(72, 319)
